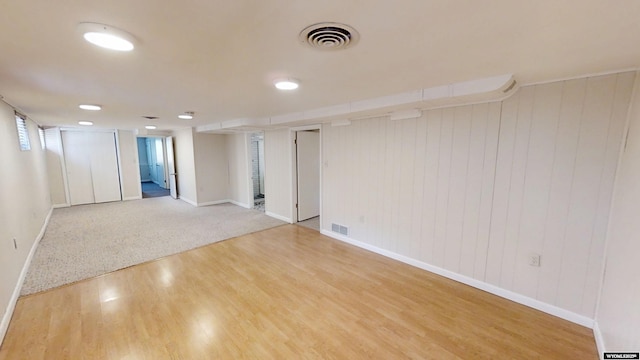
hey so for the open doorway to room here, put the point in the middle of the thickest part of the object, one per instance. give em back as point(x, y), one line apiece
point(152, 159)
point(307, 175)
point(257, 170)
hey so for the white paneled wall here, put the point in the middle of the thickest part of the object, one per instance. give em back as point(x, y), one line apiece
point(618, 312)
point(278, 180)
point(477, 189)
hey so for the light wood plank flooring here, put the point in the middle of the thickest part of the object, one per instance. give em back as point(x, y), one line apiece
point(283, 293)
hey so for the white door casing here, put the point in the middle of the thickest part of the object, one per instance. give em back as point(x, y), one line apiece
point(171, 166)
point(308, 173)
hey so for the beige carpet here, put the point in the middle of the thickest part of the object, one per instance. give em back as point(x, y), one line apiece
point(89, 240)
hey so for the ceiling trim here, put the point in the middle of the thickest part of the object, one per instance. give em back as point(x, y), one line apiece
point(481, 90)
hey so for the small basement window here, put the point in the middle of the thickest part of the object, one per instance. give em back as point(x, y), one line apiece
point(23, 133)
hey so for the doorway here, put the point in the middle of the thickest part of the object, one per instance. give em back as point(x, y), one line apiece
point(257, 170)
point(152, 159)
point(307, 159)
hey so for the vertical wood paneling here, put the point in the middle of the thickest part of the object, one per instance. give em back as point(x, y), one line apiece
point(430, 194)
point(560, 191)
point(473, 189)
point(500, 211)
point(406, 196)
point(418, 190)
point(378, 180)
point(486, 199)
point(584, 191)
point(457, 187)
point(443, 181)
point(516, 187)
point(540, 157)
point(623, 90)
point(618, 312)
point(277, 177)
point(476, 189)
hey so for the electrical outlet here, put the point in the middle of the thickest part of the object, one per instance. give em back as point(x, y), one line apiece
point(534, 259)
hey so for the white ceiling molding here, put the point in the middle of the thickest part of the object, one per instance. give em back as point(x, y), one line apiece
point(399, 106)
point(405, 114)
point(340, 123)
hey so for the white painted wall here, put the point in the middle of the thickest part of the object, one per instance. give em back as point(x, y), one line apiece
point(185, 166)
point(618, 313)
point(278, 176)
point(212, 168)
point(475, 189)
point(239, 176)
point(24, 208)
point(129, 169)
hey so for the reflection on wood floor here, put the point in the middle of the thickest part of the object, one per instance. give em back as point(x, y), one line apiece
point(282, 293)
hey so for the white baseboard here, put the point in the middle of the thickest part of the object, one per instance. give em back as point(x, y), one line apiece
point(279, 217)
point(58, 206)
point(188, 201)
point(246, 206)
point(209, 203)
point(137, 197)
point(6, 319)
point(507, 294)
point(599, 339)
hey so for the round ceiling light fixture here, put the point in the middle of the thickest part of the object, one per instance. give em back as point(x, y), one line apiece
point(286, 84)
point(85, 123)
point(90, 107)
point(106, 36)
point(150, 127)
point(188, 115)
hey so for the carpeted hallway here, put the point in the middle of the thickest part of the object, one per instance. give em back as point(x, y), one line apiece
point(151, 190)
point(89, 240)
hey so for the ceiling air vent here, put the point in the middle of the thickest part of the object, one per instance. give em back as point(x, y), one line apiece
point(150, 117)
point(329, 36)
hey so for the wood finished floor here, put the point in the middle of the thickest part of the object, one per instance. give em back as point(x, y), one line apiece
point(283, 293)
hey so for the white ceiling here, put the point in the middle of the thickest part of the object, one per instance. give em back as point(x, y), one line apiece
point(218, 58)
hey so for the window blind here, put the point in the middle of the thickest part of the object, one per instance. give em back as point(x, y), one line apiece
point(23, 133)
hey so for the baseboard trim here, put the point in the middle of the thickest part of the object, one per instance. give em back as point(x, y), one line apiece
point(6, 319)
point(59, 206)
point(209, 203)
point(246, 206)
point(137, 197)
point(279, 217)
point(188, 201)
point(507, 294)
point(599, 339)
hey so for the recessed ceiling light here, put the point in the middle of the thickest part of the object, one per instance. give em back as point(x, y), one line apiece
point(106, 36)
point(85, 123)
point(188, 115)
point(90, 107)
point(286, 84)
point(150, 127)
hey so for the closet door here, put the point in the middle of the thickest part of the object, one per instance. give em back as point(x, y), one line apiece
point(78, 164)
point(104, 167)
point(92, 167)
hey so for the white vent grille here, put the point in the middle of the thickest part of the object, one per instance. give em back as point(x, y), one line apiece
point(329, 36)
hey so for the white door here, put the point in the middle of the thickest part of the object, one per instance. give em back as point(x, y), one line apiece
point(104, 167)
point(92, 167)
point(308, 165)
point(78, 165)
point(159, 163)
point(171, 166)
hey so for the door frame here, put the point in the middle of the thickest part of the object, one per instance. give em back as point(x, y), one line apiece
point(294, 169)
point(164, 160)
